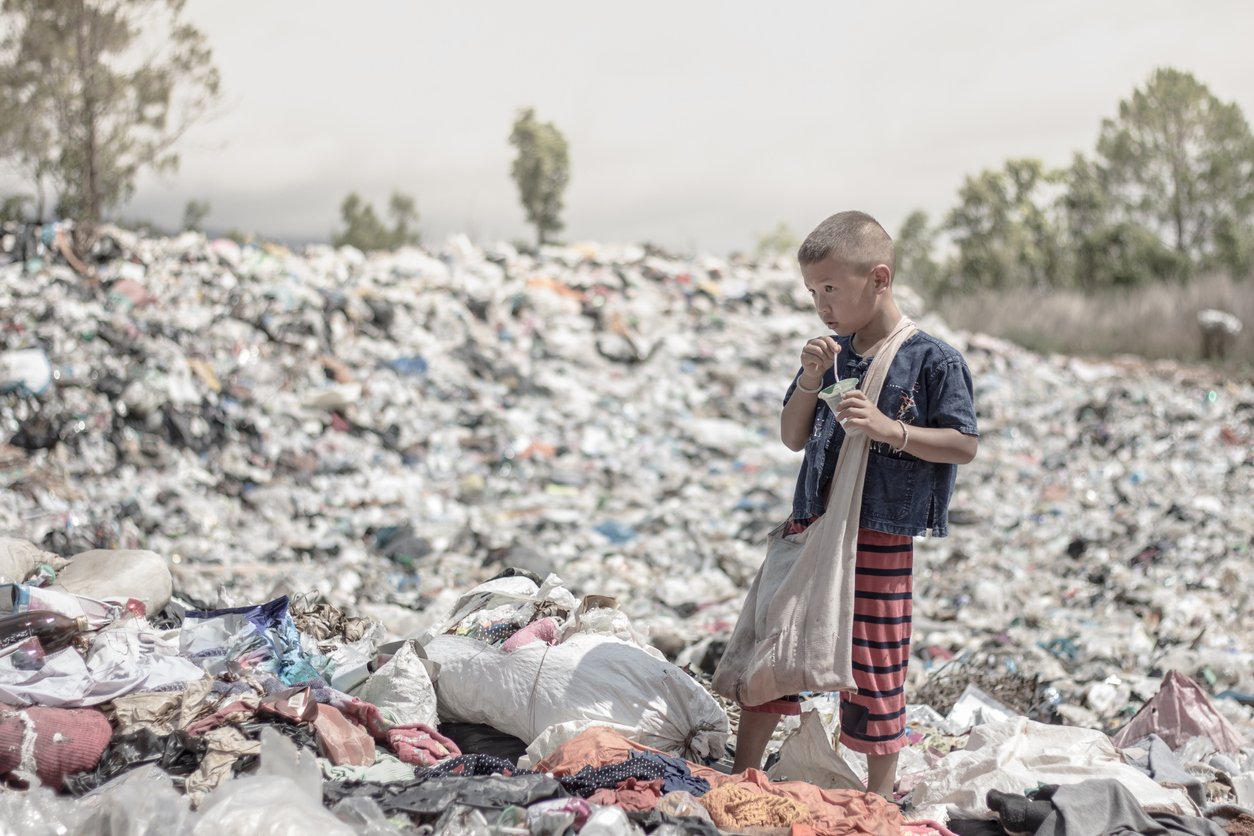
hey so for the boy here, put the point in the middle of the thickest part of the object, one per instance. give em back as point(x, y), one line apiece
point(921, 428)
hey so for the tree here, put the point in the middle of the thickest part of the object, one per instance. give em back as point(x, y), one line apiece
point(1004, 229)
point(1180, 164)
point(364, 230)
point(779, 242)
point(194, 214)
point(913, 248)
point(1104, 249)
point(96, 91)
point(541, 170)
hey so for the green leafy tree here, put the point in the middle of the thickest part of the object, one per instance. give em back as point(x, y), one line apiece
point(1004, 229)
point(96, 91)
point(1104, 248)
point(541, 170)
point(913, 247)
point(404, 214)
point(780, 241)
point(1180, 163)
point(364, 229)
point(194, 214)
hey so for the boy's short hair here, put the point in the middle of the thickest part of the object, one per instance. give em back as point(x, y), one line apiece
point(852, 237)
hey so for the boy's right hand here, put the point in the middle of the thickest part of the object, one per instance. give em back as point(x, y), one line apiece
point(818, 355)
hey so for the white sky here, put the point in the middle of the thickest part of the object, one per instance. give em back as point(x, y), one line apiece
point(697, 125)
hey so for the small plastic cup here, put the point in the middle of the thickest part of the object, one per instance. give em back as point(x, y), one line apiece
point(832, 394)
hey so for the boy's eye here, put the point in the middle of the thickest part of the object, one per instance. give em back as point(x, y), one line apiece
point(828, 288)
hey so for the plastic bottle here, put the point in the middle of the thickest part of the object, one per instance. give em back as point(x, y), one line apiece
point(53, 629)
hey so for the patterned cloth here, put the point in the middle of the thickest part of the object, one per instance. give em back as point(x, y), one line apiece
point(474, 765)
point(590, 779)
point(677, 777)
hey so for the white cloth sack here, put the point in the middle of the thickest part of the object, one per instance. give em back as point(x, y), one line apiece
point(1018, 753)
point(794, 632)
point(589, 680)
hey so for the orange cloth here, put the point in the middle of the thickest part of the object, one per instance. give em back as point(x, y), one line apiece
point(735, 807)
point(832, 812)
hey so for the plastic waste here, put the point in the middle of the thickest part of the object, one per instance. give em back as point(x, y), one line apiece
point(39, 812)
point(25, 370)
point(975, 707)
point(283, 797)
point(142, 802)
point(177, 754)
point(807, 755)
point(609, 821)
point(402, 689)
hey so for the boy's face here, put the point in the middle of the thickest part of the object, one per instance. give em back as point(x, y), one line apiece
point(844, 297)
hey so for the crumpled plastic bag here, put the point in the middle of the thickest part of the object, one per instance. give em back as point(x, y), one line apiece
point(807, 755)
point(262, 636)
point(1018, 753)
point(402, 689)
point(284, 797)
point(1179, 712)
point(142, 802)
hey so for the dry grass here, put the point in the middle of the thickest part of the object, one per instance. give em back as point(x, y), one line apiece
point(1155, 322)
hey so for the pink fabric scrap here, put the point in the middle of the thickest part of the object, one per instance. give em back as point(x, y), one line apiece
point(544, 630)
point(342, 741)
point(632, 795)
point(414, 743)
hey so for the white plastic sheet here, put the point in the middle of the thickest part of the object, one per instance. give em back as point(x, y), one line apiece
point(1019, 753)
point(126, 657)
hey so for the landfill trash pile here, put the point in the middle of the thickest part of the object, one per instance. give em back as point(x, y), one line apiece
point(321, 524)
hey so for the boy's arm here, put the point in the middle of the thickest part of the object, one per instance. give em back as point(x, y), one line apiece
point(797, 419)
point(817, 356)
point(937, 444)
point(943, 445)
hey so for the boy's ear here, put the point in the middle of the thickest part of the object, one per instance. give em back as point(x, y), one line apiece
point(882, 276)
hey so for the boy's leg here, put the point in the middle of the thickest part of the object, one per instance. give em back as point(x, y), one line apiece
point(881, 774)
point(754, 732)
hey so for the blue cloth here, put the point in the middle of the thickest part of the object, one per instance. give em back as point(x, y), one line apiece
point(676, 776)
point(928, 385)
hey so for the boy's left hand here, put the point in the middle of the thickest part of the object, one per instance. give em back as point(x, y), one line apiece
point(855, 411)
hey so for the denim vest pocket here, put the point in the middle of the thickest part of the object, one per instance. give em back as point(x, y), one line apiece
point(888, 492)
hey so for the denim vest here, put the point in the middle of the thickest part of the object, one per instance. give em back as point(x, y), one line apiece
point(928, 385)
